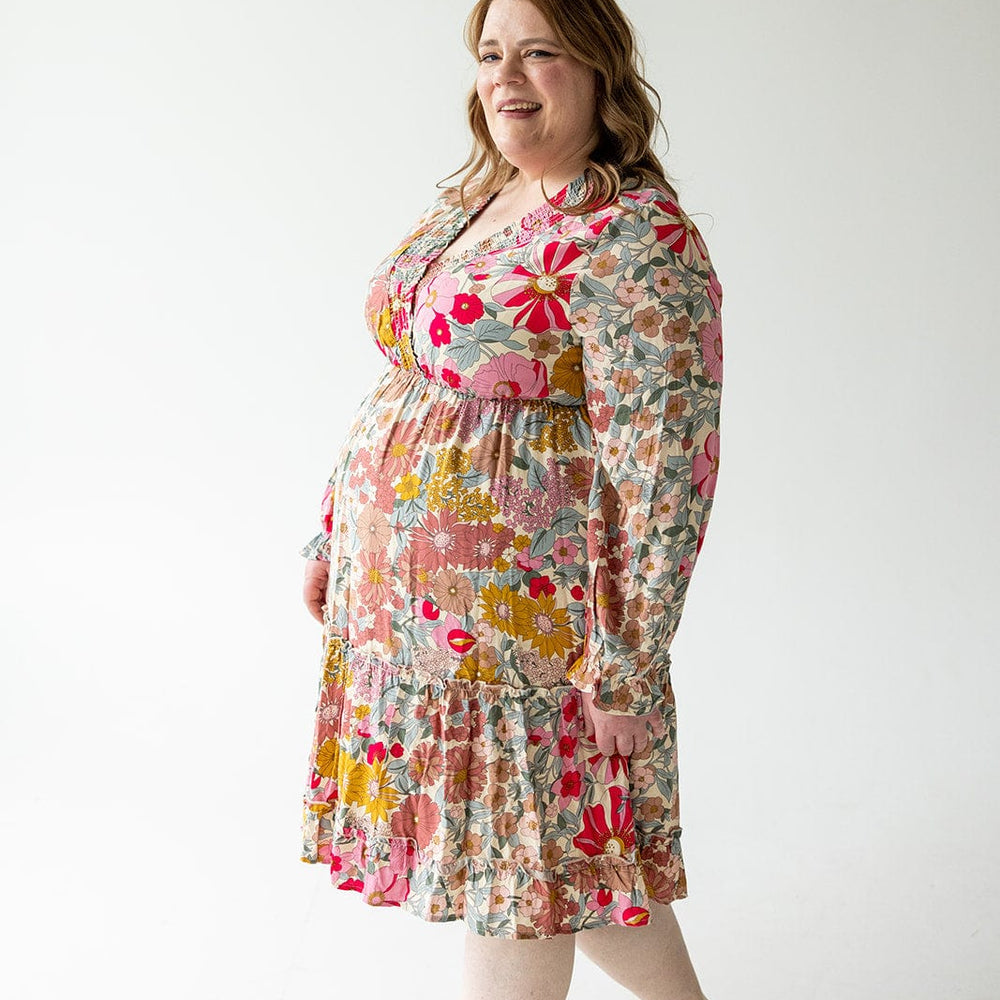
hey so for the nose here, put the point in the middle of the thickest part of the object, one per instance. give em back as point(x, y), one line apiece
point(507, 70)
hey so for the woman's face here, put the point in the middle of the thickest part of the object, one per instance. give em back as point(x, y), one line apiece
point(520, 61)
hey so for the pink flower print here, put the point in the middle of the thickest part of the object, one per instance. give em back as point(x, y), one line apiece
point(479, 267)
point(510, 376)
point(540, 736)
point(385, 888)
point(538, 292)
point(584, 319)
point(400, 451)
point(710, 338)
point(526, 562)
point(715, 291)
point(565, 552)
point(666, 506)
point(464, 774)
point(374, 577)
point(418, 817)
point(499, 898)
point(467, 308)
point(705, 466)
point(438, 298)
point(628, 291)
point(604, 264)
point(665, 281)
point(441, 540)
point(486, 541)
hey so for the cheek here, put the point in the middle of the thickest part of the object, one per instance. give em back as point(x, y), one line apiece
point(484, 89)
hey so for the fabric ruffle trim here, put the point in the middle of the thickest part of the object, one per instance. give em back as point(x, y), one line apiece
point(498, 898)
point(453, 875)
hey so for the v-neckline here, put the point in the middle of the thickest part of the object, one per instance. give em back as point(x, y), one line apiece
point(512, 230)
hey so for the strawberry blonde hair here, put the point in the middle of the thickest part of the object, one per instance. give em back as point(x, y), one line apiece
point(600, 36)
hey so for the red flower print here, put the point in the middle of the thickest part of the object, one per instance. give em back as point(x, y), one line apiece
point(440, 331)
point(631, 916)
point(451, 377)
point(326, 508)
point(678, 229)
point(540, 294)
point(540, 585)
point(601, 837)
point(467, 308)
point(570, 784)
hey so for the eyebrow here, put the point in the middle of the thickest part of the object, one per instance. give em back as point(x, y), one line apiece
point(522, 42)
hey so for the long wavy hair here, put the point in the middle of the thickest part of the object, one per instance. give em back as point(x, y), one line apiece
point(598, 34)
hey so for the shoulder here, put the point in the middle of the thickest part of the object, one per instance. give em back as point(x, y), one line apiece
point(649, 221)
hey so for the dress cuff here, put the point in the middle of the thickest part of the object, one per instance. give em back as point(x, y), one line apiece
point(317, 548)
point(618, 688)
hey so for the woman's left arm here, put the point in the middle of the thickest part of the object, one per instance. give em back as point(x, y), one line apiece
point(649, 312)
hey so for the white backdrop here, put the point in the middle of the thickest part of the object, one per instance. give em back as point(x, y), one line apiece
point(192, 196)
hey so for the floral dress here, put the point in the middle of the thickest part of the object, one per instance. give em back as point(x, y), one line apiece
point(513, 519)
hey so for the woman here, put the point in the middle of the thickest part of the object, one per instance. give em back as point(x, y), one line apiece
point(511, 526)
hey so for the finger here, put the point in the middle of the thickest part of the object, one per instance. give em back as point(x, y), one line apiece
point(606, 744)
point(626, 744)
point(641, 745)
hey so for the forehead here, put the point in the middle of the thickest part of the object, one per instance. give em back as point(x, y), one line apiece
point(520, 18)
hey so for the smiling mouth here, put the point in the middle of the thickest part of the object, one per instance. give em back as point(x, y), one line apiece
point(519, 109)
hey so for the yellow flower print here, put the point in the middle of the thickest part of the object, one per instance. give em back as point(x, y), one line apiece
point(552, 633)
point(506, 610)
point(327, 758)
point(386, 334)
point(370, 786)
point(408, 486)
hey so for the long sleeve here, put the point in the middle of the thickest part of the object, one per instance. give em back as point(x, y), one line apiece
point(649, 312)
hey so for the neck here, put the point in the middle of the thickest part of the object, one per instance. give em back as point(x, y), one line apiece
point(530, 174)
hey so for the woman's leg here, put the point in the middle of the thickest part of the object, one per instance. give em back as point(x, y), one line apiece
point(651, 961)
point(526, 969)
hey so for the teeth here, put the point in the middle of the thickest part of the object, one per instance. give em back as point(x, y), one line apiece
point(523, 106)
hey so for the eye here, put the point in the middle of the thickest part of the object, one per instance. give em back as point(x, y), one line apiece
point(540, 52)
point(488, 56)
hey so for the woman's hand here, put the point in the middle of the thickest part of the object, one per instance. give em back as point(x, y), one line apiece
point(314, 589)
point(623, 734)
